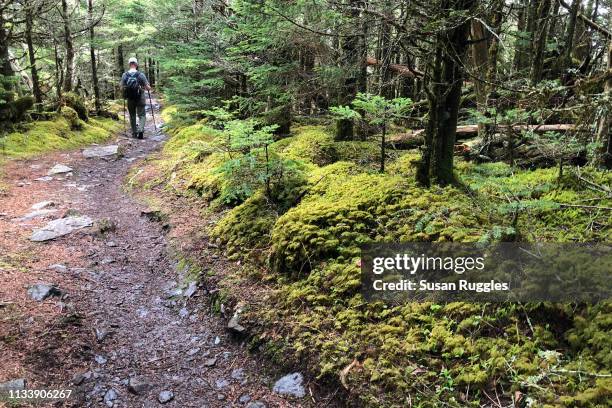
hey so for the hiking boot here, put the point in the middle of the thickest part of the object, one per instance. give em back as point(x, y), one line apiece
point(141, 135)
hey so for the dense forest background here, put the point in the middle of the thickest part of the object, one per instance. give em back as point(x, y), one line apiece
point(479, 63)
point(307, 128)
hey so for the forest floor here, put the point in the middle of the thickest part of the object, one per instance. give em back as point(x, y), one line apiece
point(121, 332)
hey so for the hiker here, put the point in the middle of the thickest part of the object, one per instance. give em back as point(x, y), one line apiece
point(134, 83)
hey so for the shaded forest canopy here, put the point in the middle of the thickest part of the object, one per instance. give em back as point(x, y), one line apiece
point(486, 63)
point(310, 127)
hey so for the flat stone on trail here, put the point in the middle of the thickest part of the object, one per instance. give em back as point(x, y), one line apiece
point(139, 385)
point(59, 169)
point(165, 396)
point(209, 362)
point(191, 289)
point(58, 268)
point(256, 404)
point(36, 214)
point(234, 324)
point(43, 204)
point(109, 397)
point(100, 359)
point(221, 383)
point(100, 151)
point(17, 384)
point(291, 385)
point(41, 291)
point(60, 227)
point(44, 178)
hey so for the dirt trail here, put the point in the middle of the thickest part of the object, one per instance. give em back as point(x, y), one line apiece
point(120, 332)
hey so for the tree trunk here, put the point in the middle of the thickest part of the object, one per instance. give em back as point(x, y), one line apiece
point(521, 41)
point(92, 51)
point(59, 71)
point(539, 44)
point(32, 57)
point(69, 62)
point(351, 63)
point(569, 34)
point(119, 66)
point(5, 61)
point(444, 97)
point(152, 72)
point(604, 129)
point(480, 64)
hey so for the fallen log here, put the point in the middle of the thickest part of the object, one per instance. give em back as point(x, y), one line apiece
point(410, 138)
point(401, 70)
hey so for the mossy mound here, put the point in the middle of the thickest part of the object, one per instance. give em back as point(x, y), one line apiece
point(245, 230)
point(71, 117)
point(77, 103)
point(44, 136)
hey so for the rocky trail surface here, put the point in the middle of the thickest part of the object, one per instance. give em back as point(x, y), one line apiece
point(91, 299)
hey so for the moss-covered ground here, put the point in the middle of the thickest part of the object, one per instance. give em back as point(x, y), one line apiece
point(416, 354)
point(39, 137)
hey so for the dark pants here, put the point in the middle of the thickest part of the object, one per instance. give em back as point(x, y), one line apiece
point(137, 108)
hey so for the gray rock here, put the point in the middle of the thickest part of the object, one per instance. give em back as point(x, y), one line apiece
point(139, 385)
point(234, 324)
point(244, 398)
point(41, 291)
point(193, 351)
point(101, 334)
point(100, 359)
point(191, 289)
point(58, 268)
point(109, 397)
point(111, 244)
point(44, 178)
point(238, 374)
point(165, 396)
point(184, 312)
point(221, 397)
point(60, 227)
point(80, 378)
point(290, 385)
point(221, 383)
point(210, 362)
point(217, 341)
point(256, 404)
point(59, 169)
point(100, 151)
point(37, 214)
point(43, 204)
point(16, 384)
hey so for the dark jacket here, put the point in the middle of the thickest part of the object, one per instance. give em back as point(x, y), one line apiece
point(142, 81)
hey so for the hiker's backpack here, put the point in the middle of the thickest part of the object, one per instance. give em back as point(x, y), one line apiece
point(132, 88)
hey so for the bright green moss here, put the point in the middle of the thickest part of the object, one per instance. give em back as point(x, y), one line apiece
point(45, 136)
point(246, 228)
point(438, 354)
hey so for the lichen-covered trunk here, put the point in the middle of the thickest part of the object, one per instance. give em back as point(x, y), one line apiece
point(444, 97)
point(69, 44)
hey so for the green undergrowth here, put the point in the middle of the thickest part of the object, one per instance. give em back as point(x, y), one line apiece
point(65, 132)
point(416, 354)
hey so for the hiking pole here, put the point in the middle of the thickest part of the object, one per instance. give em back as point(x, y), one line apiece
point(124, 122)
point(152, 112)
